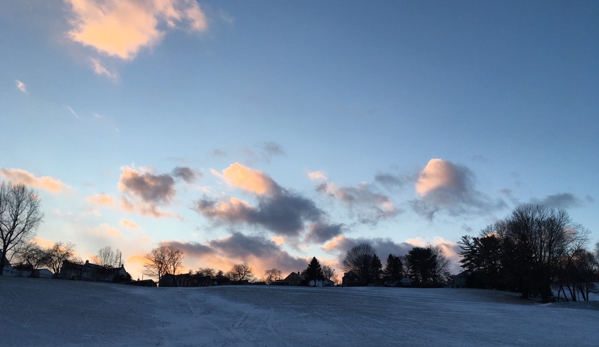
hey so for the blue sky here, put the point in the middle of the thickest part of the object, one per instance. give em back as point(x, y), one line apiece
point(297, 129)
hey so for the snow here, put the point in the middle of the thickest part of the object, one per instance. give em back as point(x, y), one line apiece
point(36, 312)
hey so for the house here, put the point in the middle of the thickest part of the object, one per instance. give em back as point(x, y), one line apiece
point(9, 271)
point(459, 280)
point(294, 279)
point(185, 280)
point(351, 279)
point(42, 273)
point(92, 272)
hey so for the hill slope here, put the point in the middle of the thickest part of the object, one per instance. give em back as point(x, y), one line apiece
point(54, 312)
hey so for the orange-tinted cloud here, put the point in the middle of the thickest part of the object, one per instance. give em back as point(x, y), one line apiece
point(120, 28)
point(18, 176)
point(101, 200)
point(106, 230)
point(44, 243)
point(253, 181)
point(125, 223)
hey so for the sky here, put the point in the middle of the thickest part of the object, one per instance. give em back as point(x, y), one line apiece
point(272, 132)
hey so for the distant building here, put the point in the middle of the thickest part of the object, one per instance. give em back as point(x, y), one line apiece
point(42, 273)
point(351, 279)
point(92, 272)
point(294, 279)
point(459, 280)
point(8, 269)
point(185, 280)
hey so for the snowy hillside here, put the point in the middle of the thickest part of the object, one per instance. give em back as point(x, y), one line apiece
point(53, 312)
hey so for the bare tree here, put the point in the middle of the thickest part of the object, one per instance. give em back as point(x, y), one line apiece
point(58, 253)
point(359, 260)
point(31, 257)
point(538, 238)
point(163, 260)
point(109, 258)
point(272, 275)
point(241, 272)
point(20, 215)
point(205, 272)
point(329, 273)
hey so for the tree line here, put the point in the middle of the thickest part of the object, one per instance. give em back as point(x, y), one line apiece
point(424, 266)
point(167, 260)
point(532, 251)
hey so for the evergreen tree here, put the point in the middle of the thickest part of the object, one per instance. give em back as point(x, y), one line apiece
point(422, 262)
point(393, 268)
point(314, 270)
point(376, 268)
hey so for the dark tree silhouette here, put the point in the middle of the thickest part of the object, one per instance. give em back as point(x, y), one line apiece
point(393, 269)
point(272, 275)
point(58, 254)
point(359, 260)
point(528, 251)
point(163, 260)
point(376, 268)
point(109, 258)
point(314, 270)
point(422, 263)
point(482, 259)
point(240, 272)
point(329, 273)
point(31, 257)
point(536, 237)
point(20, 215)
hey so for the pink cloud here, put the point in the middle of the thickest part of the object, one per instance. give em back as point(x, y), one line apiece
point(253, 181)
point(18, 176)
point(120, 28)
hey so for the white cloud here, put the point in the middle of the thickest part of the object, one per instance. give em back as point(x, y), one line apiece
point(73, 112)
point(22, 87)
point(316, 175)
point(99, 69)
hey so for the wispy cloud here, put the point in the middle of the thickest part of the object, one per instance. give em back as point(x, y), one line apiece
point(125, 223)
point(73, 112)
point(22, 87)
point(120, 28)
point(100, 200)
point(18, 176)
point(364, 201)
point(99, 69)
point(106, 230)
point(316, 175)
point(562, 200)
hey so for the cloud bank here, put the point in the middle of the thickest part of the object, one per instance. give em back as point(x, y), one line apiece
point(278, 210)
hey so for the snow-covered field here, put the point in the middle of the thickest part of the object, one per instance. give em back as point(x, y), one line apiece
point(38, 312)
